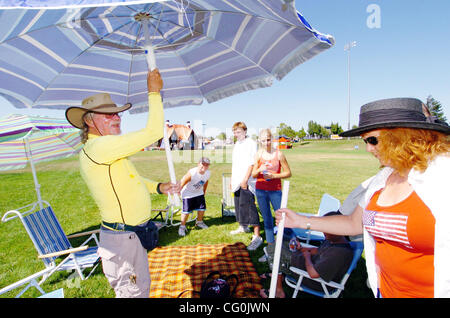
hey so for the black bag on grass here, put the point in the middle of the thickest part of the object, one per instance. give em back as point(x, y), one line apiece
point(218, 286)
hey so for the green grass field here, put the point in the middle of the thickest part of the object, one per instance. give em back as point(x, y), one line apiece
point(318, 167)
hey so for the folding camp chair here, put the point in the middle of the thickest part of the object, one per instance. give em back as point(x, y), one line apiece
point(329, 289)
point(328, 203)
point(227, 196)
point(51, 242)
point(167, 214)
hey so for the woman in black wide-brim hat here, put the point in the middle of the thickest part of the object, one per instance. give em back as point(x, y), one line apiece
point(405, 212)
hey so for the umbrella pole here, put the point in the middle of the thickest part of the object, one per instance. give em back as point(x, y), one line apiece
point(151, 62)
point(37, 186)
point(279, 242)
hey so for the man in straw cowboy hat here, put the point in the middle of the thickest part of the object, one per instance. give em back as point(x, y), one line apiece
point(404, 212)
point(121, 194)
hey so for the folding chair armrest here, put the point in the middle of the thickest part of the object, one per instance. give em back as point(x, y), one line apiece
point(69, 251)
point(299, 271)
point(318, 279)
point(83, 234)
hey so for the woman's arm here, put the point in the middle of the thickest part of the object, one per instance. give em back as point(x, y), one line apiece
point(334, 224)
point(285, 169)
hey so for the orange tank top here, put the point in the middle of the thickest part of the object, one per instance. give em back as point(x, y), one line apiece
point(404, 251)
point(273, 166)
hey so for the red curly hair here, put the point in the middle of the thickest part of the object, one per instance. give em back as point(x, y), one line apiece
point(408, 148)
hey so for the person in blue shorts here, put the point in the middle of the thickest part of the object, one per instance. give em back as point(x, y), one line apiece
point(194, 184)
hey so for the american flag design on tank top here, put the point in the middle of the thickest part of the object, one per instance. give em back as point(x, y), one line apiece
point(387, 226)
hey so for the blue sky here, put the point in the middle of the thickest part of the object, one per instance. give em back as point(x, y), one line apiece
point(407, 56)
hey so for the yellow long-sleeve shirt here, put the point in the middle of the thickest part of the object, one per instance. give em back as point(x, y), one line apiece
point(121, 194)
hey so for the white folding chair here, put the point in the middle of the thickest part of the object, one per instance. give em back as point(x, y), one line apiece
point(227, 196)
point(329, 289)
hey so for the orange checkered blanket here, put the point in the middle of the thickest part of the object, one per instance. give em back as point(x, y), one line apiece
point(176, 271)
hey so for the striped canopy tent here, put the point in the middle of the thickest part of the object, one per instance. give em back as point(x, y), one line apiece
point(35, 139)
point(53, 57)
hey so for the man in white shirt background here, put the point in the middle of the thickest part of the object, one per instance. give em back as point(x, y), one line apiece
point(243, 185)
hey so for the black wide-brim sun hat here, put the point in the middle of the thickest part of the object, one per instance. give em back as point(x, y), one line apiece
point(394, 113)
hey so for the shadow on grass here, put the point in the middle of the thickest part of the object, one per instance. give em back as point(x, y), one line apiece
point(356, 286)
point(169, 234)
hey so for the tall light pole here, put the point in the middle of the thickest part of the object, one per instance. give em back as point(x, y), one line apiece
point(203, 138)
point(347, 48)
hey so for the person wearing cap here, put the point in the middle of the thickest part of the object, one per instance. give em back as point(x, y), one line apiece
point(121, 194)
point(404, 213)
point(193, 188)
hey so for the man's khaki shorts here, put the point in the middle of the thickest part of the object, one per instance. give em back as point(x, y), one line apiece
point(125, 263)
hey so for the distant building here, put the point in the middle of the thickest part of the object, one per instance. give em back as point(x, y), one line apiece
point(180, 136)
point(283, 142)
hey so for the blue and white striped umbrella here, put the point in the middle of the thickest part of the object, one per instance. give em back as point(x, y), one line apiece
point(53, 57)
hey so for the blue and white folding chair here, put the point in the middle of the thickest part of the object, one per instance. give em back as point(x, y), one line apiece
point(51, 242)
point(329, 289)
point(328, 203)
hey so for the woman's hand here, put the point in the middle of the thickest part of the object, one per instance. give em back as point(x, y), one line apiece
point(262, 168)
point(292, 219)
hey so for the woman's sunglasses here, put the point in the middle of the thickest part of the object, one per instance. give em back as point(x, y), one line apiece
point(371, 140)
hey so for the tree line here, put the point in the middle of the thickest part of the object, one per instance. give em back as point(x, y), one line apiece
point(314, 129)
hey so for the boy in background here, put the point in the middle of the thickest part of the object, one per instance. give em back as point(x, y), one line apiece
point(194, 184)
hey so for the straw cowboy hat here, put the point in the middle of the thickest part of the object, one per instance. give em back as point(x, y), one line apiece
point(393, 113)
point(98, 103)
